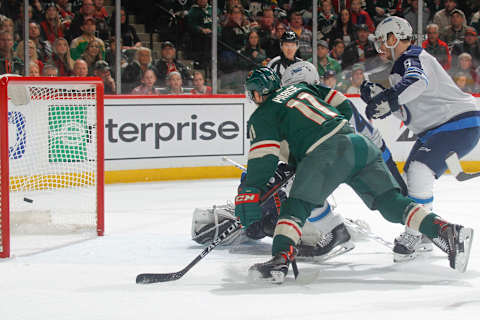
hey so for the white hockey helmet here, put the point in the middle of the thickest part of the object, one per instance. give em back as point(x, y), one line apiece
point(302, 71)
point(396, 25)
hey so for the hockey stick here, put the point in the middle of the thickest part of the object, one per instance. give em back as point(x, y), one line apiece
point(236, 164)
point(453, 163)
point(146, 278)
point(367, 233)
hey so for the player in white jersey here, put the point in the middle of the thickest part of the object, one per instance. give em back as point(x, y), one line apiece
point(429, 103)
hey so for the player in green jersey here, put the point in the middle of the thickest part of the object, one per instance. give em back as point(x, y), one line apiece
point(295, 123)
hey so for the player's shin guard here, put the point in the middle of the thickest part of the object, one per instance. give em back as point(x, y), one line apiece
point(411, 242)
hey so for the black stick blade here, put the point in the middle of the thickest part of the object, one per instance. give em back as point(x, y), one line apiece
point(146, 278)
point(463, 176)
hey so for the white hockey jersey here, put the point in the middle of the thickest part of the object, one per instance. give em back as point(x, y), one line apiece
point(428, 94)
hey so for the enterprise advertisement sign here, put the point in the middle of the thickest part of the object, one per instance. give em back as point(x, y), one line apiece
point(169, 130)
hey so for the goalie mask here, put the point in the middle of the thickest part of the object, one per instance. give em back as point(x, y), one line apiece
point(302, 71)
point(392, 25)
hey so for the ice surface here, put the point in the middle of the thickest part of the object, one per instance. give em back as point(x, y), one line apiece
point(148, 230)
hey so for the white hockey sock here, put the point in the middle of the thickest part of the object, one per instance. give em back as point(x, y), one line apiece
point(321, 221)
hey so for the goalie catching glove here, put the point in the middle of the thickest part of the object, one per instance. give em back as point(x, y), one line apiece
point(381, 102)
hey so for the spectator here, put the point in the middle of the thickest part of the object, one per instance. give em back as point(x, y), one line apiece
point(253, 52)
point(434, 6)
point(52, 27)
point(345, 29)
point(6, 24)
point(102, 70)
point(174, 83)
point(20, 23)
point(199, 86)
point(380, 9)
point(338, 5)
point(32, 52)
point(273, 48)
point(110, 54)
point(92, 54)
point(465, 65)
point(470, 45)
point(64, 10)
point(411, 15)
point(132, 74)
point(61, 57)
point(437, 47)
point(360, 50)
point(80, 68)
point(130, 38)
point(199, 22)
point(304, 35)
point(455, 32)
point(234, 36)
point(324, 62)
point(330, 79)
point(327, 21)
point(360, 16)
point(34, 70)
point(50, 71)
point(79, 44)
point(442, 17)
point(148, 81)
point(266, 30)
point(44, 48)
point(38, 10)
point(460, 80)
point(100, 11)
point(337, 50)
point(357, 78)
point(87, 10)
point(168, 63)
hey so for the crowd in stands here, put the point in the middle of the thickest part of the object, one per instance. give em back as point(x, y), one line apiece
point(76, 38)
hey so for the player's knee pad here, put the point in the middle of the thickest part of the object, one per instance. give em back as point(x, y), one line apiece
point(392, 205)
point(420, 180)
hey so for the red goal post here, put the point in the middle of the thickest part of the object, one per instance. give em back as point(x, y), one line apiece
point(52, 157)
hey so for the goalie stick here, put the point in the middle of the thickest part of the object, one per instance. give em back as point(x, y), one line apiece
point(146, 278)
point(453, 164)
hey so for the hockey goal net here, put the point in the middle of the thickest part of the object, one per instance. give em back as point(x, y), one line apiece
point(51, 153)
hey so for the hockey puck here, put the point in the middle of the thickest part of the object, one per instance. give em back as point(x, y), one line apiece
point(27, 200)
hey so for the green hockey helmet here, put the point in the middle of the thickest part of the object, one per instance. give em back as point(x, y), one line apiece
point(263, 80)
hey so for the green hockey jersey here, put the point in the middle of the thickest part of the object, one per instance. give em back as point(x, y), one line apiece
point(292, 122)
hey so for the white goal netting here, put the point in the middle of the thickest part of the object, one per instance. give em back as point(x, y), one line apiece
point(52, 149)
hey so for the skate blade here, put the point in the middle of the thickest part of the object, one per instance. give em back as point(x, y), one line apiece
point(340, 250)
point(401, 258)
point(277, 277)
point(426, 247)
point(461, 260)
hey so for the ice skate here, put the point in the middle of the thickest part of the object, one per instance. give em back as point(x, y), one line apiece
point(456, 241)
point(333, 244)
point(409, 244)
point(276, 269)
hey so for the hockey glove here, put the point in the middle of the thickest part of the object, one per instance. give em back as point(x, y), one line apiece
point(247, 206)
point(382, 105)
point(369, 89)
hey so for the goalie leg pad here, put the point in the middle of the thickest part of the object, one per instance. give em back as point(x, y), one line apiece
point(208, 224)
